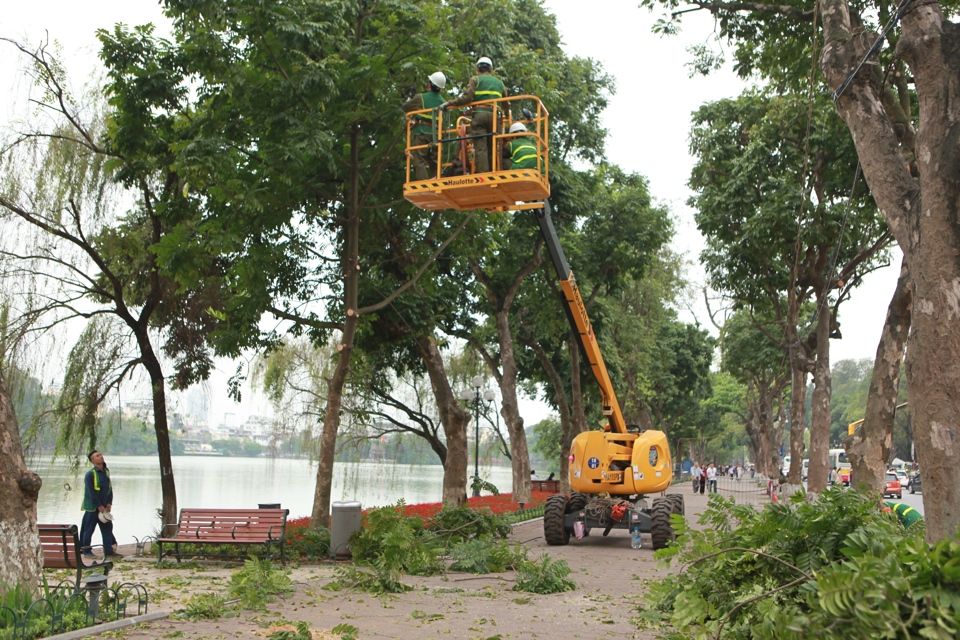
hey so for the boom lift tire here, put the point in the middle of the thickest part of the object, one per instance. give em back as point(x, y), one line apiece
point(661, 531)
point(553, 530)
point(577, 502)
point(677, 500)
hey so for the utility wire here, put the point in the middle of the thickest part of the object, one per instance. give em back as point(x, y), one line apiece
point(873, 50)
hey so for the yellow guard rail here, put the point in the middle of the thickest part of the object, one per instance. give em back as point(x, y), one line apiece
point(456, 185)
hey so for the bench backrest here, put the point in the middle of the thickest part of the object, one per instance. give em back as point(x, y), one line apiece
point(247, 525)
point(60, 544)
point(552, 486)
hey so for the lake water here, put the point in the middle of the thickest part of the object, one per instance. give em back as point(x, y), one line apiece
point(236, 483)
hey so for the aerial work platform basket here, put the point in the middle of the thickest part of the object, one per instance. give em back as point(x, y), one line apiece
point(454, 183)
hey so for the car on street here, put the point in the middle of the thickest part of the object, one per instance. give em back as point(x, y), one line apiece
point(914, 483)
point(893, 488)
point(902, 474)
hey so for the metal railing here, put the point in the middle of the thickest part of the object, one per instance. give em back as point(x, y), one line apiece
point(451, 142)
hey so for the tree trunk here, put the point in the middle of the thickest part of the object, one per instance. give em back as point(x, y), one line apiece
point(765, 438)
point(922, 215)
point(168, 486)
point(578, 419)
point(820, 412)
point(798, 399)
point(868, 449)
point(350, 261)
point(454, 420)
point(563, 406)
point(510, 410)
point(21, 560)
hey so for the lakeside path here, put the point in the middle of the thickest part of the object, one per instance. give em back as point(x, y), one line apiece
point(610, 578)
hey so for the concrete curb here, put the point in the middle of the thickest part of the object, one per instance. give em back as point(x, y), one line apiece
point(109, 626)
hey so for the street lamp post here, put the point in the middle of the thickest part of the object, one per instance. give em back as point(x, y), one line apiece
point(476, 397)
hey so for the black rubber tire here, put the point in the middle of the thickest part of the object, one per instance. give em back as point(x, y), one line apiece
point(678, 506)
point(553, 530)
point(577, 502)
point(661, 531)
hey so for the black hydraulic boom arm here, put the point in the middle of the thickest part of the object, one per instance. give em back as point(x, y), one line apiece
point(579, 320)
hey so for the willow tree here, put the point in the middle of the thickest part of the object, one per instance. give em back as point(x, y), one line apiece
point(92, 207)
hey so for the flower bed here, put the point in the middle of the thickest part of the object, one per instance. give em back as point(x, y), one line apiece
point(500, 505)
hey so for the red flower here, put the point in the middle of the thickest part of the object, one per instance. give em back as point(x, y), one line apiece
point(500, 504)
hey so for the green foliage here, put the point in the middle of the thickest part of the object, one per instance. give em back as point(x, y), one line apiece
point(343, 631)
point(59, 614)
point(391, 544)
point(545, 575)
point(204, 606)
point(483, 555)
point(311, 544)
point(375, 576)
point(837, 568)
point(463, 523)
point(394, 542)
point(547, 439)
point(479, 484)
point(258, 582)
point(302, 633)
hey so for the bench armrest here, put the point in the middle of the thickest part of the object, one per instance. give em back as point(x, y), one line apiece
point(163, 528)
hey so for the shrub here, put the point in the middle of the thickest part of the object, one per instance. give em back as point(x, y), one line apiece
point(836, 568)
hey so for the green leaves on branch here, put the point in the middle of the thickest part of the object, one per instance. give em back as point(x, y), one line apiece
point(836, 568)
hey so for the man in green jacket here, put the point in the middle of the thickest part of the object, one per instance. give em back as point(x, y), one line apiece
point(97, 505)
point(521, 152)
point(483, 86)
point(424, 160)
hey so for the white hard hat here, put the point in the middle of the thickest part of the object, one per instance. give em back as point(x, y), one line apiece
point(485, 60)
point(517, 126)
point(438, 79)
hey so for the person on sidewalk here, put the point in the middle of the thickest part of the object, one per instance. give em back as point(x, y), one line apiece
point(97, 506)
point(697, 474)
point(712, 478)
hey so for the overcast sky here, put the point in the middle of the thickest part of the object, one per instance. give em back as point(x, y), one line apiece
point(648, 120)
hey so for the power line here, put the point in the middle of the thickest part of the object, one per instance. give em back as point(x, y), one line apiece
point(873, 50)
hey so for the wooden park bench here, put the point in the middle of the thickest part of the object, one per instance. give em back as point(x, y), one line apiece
point(61, 550)
point(550, 486)
point(223, 527)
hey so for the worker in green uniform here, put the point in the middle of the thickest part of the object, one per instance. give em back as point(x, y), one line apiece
point(424, 160)
point(907, 515)
point(520, 152)
point(483, 86)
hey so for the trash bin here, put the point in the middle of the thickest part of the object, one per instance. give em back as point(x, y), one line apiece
point(344, 520)
point(268, 505)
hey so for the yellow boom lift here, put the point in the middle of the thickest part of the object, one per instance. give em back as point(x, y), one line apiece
point(621, 461)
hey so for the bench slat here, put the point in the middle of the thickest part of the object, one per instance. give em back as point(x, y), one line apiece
point(228, 526)
point(60, 544)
